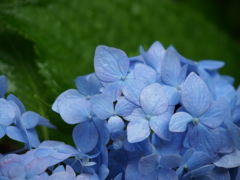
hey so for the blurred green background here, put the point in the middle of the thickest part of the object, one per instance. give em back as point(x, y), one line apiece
point(46, 44)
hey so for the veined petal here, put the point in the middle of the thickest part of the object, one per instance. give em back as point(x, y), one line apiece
point(110, 63)
point(205, 139)
point(124, 107)
point(137, 130)
point(172, 93)
point(171, 68)
point(170, 161)
point(179, 121)
point(132, 89)
point(148, 164)
point(69, 94)
point(196, 97)
point(37, 166)
point(145, 73)
point(154, 56)
point(167, 174)
point(211, 64)
point(159, 124)
point(30, 119)
point(85, 136)
point(115, 123)
point(102, 105)
point(14, 133)
point(216, 114)
point(103, 131)
point(74, 110)
point(16, 101)
point(153, 100)
point(183, 74)
point(82, 85)
point(113, 89)
point(136, 114)
point(229, 160)
point(7, 112)
point(94, 84)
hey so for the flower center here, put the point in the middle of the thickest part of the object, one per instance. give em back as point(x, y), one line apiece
point(195, 121)
point(148, 117)
point(123, 78)
point(90, 117)
point(88, 97)
point(178, 88)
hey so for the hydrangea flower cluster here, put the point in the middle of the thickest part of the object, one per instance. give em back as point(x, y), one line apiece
point(154, 116)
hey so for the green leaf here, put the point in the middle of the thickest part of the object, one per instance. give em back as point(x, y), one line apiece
point(18, 63)
point(67, 32)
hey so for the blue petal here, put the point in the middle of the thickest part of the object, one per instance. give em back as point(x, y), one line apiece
point(103, 131)
point(137, 113)
point(42, 152)
point(82, 85)
point(37, 166)
point(145, 73)
point(179, 122)
point(33, 137)
point(235, 134)
point(30, 119)
point(14, 133)
point(200, 171)
point(227, 145)
point(7, 112)
point(171, 68)
point(45, 122)
point(123, 107)
point(94, 85)
point(102, 106)
point(74, 110)
point(211, 64)
point(85, 136)
point(118, 177)
point(132, 171)
point(196, 97)
point(115, 123)
point(172, 93)
point(183, 74)
point(160, 124)
point(113, 89)
point(205, 139)
point(103, 172)
point(167, 174)
point(148, 164)
point(170, 161)
point(153, 100)
point(168, 147)
point(110, 64)
point(154, 56)
point(138, 130)
point(198, 159)
point(216, 114)
point(131, 90)
point(69, 94)
point(20, 105)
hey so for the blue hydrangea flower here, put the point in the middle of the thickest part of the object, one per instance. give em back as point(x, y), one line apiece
point(203, 116)
point(152, 114)
point(156, 167)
